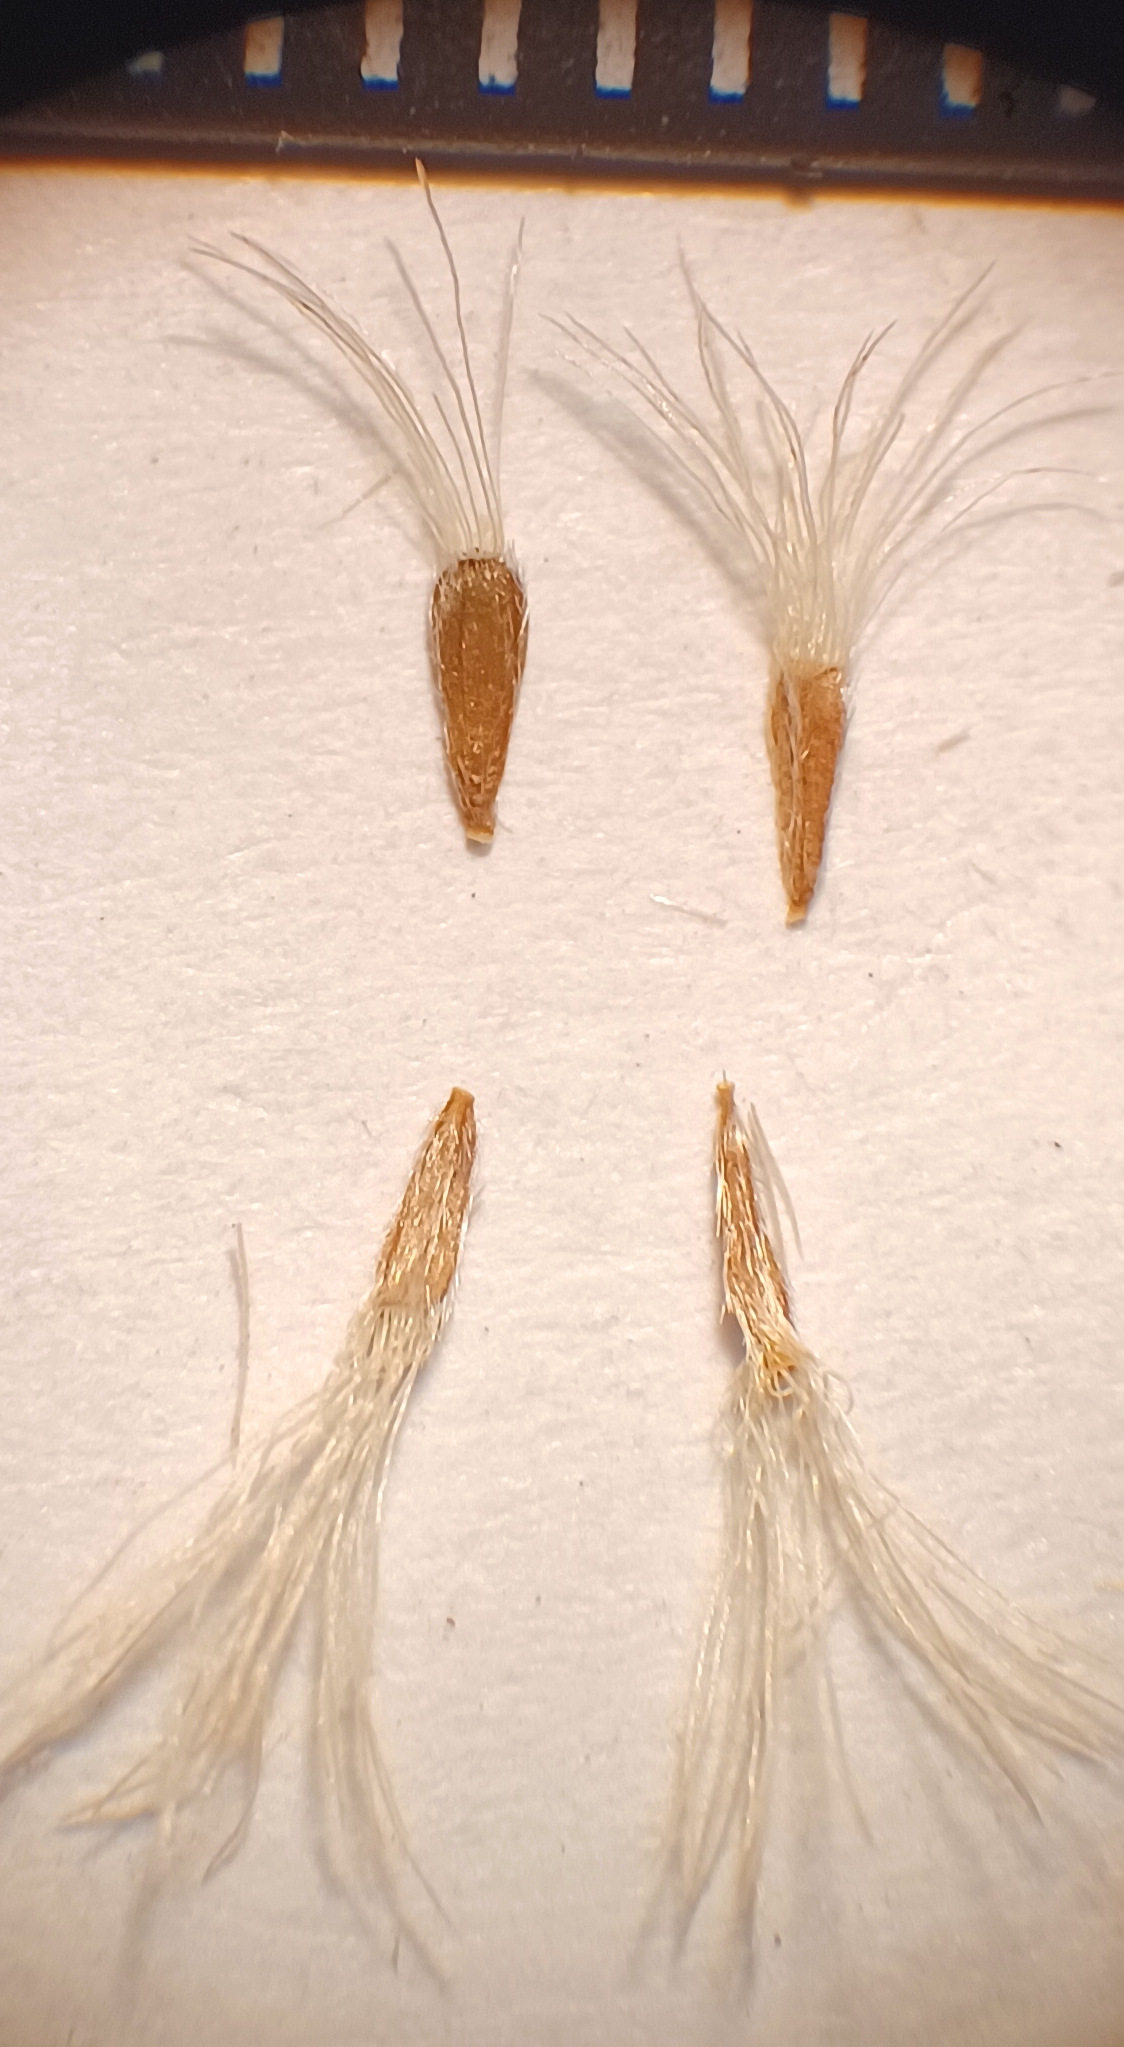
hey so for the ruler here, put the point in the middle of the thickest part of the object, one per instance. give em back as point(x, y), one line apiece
point(733, 91)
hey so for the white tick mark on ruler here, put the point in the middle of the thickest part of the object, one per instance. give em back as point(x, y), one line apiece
point(499, 45)
point(382, 43)
point(616, 46)
point(846, 59)
point(961, 79)
point(730, 59)
point(262, 49)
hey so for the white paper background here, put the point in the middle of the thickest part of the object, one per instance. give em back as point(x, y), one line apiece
point(246, 954)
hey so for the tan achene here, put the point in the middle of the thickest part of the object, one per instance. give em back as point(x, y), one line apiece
point(297, 1528)
point(449, 464)
point(804, 726)
point(805, 1522)
point(754, 1288)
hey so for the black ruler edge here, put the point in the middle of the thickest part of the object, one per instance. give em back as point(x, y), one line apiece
point(787, 173)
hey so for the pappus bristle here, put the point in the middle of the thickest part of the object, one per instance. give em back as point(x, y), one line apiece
point(298, 1527)
point(241, 1274)
point(817, 559)
point(805, 1522)
point(450, 467)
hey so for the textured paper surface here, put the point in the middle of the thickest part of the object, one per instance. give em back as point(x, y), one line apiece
point(245, 955)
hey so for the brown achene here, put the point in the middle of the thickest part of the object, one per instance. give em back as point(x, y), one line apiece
point(478, 621)
point(421, 1249)
point(820, 539)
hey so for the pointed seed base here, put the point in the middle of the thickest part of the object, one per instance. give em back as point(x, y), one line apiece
point(804, 727)
point(479, 624)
